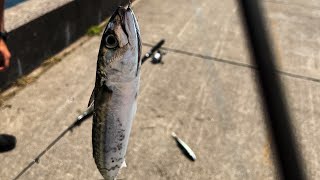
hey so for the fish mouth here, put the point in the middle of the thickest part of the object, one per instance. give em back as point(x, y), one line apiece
point(125, 17)
point(130, 26)
point(136, 26)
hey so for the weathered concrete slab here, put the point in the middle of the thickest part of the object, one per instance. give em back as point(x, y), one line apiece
point(296, 37)
point(44, 109)
point(293, 32)
point(213, 106)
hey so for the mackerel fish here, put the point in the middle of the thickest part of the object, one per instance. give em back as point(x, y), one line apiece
point(114, 97)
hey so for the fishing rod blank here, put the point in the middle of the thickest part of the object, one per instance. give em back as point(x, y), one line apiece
point(277, 116)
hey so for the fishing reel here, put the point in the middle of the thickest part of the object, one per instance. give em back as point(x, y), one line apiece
point(155, 53)
point(157, 57)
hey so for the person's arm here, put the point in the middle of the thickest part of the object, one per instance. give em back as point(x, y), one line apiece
point(4, 51)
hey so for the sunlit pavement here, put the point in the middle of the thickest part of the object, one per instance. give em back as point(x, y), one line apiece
point(209, 98)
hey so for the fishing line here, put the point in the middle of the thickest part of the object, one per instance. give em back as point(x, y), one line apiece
point(233, 62)
point(85, 116)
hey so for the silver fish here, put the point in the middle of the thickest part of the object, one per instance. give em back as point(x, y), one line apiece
point(184, 147)
point(115, 94)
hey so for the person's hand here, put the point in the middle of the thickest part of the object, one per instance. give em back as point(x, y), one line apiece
point(6, 55)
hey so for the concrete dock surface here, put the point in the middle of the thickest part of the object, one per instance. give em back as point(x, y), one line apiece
point(205, 92)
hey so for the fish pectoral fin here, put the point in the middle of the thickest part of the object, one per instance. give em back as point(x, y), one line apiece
point(123, 165)
point(91, 98)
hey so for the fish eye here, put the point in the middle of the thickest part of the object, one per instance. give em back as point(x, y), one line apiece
point(111, 41)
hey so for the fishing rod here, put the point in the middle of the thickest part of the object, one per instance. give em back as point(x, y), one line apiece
point(277, 115)
point(80, 119)
point(155, 56)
